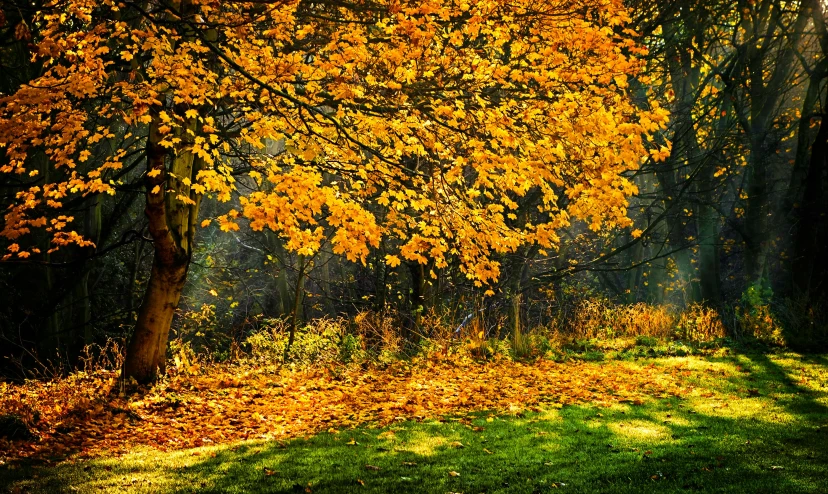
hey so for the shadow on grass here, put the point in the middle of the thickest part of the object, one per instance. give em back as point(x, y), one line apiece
point(629, 449)
point(804, 401)
point(765, 430)
point(663, 446)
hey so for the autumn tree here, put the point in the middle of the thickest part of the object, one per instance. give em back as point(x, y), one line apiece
point(741, 81)
point(422, 122)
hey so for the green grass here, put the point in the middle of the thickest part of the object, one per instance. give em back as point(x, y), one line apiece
point(627, 348)
point(754, 423)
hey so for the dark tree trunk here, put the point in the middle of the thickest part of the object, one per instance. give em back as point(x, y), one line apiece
point(809, 266)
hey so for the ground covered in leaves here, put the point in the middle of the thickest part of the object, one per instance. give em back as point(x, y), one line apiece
point(89, 415)
point(740, 423)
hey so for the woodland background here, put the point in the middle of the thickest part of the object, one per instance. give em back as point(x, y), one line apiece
point(731, 226)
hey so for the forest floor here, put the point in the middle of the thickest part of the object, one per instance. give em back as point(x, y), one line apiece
point(730, 422)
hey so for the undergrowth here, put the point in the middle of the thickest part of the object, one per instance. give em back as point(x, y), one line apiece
point(590, 330)
point(580, 328)
point(594, 329)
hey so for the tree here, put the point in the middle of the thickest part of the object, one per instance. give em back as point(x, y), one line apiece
point(727, 72)
point(425, 122)
point(809, 178)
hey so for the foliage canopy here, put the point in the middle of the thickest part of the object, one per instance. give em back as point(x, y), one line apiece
point(422, 121)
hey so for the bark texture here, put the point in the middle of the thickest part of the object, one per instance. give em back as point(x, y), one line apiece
point(171, 224)
point(147, 350)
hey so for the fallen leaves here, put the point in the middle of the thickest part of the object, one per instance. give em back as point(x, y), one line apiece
point(85, 415)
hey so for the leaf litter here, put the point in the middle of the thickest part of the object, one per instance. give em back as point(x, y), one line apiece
point(89, 415)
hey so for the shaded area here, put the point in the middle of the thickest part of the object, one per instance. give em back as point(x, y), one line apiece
point(806, 400)
point(753, 424)
point(223, 404)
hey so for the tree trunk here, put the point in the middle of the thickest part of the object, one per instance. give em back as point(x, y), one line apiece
point(380, 277)
point(634, 275)
point(765, 89)
point(418, 299)
point(804, 136)
point(808, 264)
point(171, 210)
point(809, 181)
point(281, 304)
point(685, 79)
point(298, 295)
point(133, 279)
point(756, 212)
point(709, 277)
point(147, 350)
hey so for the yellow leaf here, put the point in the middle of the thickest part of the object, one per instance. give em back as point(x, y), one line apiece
point(156, 190)
point(205, 223)
point(154, 173)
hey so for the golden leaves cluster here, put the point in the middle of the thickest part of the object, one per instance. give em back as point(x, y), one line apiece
point(461, 130)
point(226, 403)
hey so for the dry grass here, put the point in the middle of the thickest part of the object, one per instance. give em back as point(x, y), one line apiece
point(600, 318)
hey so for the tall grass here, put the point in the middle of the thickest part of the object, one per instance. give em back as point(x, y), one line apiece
point(383, 337)
point(601, 318)
point(379, 337)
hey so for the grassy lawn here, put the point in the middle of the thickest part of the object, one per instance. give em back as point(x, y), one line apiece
point(754, 423)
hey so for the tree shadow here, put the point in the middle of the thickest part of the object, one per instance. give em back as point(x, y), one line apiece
point(816, 359)
point(774, 443)
point(804, 402)
point(762, 376)
point(662, 446)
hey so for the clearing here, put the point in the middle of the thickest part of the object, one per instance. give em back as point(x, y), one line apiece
point(723, 423)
